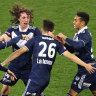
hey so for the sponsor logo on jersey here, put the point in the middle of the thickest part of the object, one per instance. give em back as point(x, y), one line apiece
point(86, 84)
point(43, 61)
point(48, 38)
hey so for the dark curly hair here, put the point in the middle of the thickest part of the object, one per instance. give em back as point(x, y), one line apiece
point(17, 10)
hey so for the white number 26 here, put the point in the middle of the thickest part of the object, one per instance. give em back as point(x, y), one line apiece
point(51, 50)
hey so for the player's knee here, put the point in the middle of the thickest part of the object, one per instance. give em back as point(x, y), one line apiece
point(94, 93)
point(4, 92)
point(68, 94)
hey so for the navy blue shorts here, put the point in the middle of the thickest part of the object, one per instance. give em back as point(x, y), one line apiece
point(84, 80)
point(35, 87)
point(23, 75)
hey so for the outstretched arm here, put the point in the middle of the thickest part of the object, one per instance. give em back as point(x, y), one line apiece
point(15, 55)
point(75, 59)
point(16, 39)
point(75, 44)
point(3, 44)
point(9, 72)
point(4, 37)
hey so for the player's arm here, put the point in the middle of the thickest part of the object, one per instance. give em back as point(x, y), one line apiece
point(7, 70)
point(69, 48)
point(75, 44)
point(12, 41)
point(60, 39)
point(4, 37)
point(16, 39)
point(75, 59)
point(15, 55)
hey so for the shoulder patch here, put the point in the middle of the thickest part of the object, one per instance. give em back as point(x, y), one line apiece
point(32, 27)
point(15, 27)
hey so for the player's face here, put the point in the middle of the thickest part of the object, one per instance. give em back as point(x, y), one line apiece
point(24, 20)
point(77, 23)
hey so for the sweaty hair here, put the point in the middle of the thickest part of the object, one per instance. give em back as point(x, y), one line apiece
point(48, 25)
point(17, 10)
point(84, 16)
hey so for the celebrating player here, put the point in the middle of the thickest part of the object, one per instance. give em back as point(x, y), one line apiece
point(44, 54)
point(4, 45)
point(21, 66)
point(82, 46)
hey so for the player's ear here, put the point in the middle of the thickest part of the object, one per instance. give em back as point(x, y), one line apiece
point(53, 31)
point(83, 23)
point(19, 19)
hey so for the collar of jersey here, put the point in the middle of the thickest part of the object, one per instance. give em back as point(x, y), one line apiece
point(82, 30)
point(23, 30)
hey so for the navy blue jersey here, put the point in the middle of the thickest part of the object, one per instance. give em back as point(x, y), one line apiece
point(82, 45)
point(44, 53)
point(24, 61)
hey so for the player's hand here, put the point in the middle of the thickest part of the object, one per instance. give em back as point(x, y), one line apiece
point(59, 39)
point(51, 34)
point(12, 75)
point(25, 37)
point(90, 68)
point(62, 36)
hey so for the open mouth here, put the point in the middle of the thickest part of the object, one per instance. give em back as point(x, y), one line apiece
point(25, 23)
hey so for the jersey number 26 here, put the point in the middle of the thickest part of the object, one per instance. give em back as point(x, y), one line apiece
point(51, 50)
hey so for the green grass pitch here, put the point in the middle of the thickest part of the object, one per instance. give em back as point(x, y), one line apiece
point(62, 12)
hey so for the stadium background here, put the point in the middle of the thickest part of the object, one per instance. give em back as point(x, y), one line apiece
point(62, 12)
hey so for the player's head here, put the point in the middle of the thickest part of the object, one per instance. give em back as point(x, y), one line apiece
point(21, 14)
point(48, 27)
point(83, 16)
point(81, 19)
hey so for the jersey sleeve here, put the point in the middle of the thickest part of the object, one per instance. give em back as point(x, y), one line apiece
point(37, 32)
point(69, 48)
point(76, 44)
point(61, 48)
point(8, 32)
point(30, 43)
point(13, 41)
point(3, 68)
point(2, 45)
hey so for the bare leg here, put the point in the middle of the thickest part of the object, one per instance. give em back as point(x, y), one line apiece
point(5, 90)
point(94, 92)
point(72, 92)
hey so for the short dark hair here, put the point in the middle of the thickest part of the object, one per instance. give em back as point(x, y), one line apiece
point(48, 25)
point(84, 16)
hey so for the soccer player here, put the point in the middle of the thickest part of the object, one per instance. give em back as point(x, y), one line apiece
point(44, 54)
point(21, 66)
point(4, 45)
point(82, 46)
